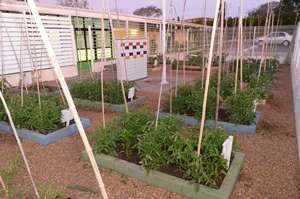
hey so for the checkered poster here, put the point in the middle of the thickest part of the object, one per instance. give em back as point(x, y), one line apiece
point(133, 56)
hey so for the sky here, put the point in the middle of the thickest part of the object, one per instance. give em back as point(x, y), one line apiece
point(194, 8)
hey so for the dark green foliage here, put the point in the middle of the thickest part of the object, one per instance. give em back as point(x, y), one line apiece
point(106, 139)
point(166, 146)
point(122, 133)
point(241, 108)
point(189, 101)
point(91, 90)
point(154, 144)
point(30, 116)
point(133, 125)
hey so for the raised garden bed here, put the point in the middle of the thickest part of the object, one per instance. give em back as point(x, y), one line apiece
point(171, 183)
point(165, 155)
point(231, 127)
point(45, 139)
point(96, 105)
point(87, 95)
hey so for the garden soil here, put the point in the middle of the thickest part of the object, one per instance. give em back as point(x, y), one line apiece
point(271, 169)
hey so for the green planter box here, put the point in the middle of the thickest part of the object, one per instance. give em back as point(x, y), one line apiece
point(96, 105)
point(171, 183)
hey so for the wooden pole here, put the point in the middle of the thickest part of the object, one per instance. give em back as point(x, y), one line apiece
point(3, 186)
point(91, 51)
point(19, 144)
point(220, 62)
point(263, 46)
point(67, 94)
point(241, 43)
point(204, 49)
point(102, 70)
point(237, 60)
point(115, 52)
point(253, 42)
point(163, 78)
point(210, 57)
point(185, 42)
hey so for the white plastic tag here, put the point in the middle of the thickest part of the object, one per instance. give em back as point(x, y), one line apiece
point(227, 149)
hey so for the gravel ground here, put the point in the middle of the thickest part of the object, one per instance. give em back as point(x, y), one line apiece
point(271, 169)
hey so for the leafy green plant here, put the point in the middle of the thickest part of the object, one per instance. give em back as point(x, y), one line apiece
point(189, 101)
point(241, 108)
point(122, 133)
point(50, 191)
point(8, 175)
point(30, 116)
point(154, 144)
point(91, 90)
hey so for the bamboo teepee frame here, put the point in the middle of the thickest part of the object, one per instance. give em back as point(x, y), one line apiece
point(19, 145)
point(210, 57)
point(58, 72)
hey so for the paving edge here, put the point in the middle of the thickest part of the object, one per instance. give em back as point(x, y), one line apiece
point(171, 183)
point(42, 139)
point(96, 105)
point(244, 129)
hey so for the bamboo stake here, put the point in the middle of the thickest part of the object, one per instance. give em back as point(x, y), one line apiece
point(232, 40)
point(2, 56)
point(253, 42)
point(212, 41)
point(263, 46)
point(267, 45)
point(163, 78)
point(102, 70)
point(19, 144)
point(184, 44)
point(204, 49)
point(241, 43)
point(67, 93)
point(115, 52)
point(237, 61)
point(3, 186)
point(21, 67)
point(91, 51)
point(220, 62)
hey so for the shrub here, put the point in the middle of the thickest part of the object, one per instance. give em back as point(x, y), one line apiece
point(167, 146)
point(241, 108)
point(91, 90)
point(153, 145)
point(122, 133)
point(30, 116)
point(189, 101)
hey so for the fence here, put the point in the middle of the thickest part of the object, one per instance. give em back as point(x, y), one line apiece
point(295, 72)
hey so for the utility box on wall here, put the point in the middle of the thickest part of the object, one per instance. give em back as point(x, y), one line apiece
point(133, 55)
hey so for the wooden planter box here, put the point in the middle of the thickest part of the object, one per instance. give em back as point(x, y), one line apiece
point(171, 183)
point(238, 128)
point(96, 105)
point(42, 139)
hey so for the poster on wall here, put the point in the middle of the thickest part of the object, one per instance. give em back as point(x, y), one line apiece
point(133, 55)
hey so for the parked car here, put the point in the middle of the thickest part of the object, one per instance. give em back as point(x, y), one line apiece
point(279, 38)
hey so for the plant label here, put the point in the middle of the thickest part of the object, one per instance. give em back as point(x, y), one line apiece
point(227, 149)
point(66, 116)
point(131, 93)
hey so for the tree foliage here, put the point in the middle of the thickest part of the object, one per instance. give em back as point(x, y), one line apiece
point(149, 11)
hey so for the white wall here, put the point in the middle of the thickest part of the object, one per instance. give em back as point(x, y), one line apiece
point(21, 47)
point(295, 70)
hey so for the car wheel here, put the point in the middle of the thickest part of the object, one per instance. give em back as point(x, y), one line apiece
point(286, 43)
point(260, 43)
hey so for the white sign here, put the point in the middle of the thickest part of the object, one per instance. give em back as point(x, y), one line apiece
point(131, 93)
point(66, 116)
point(227, 149)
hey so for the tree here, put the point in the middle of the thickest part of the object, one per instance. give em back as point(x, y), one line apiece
point(149, 11)
point(288, 10)
point(263, 9)
point(74, 3)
